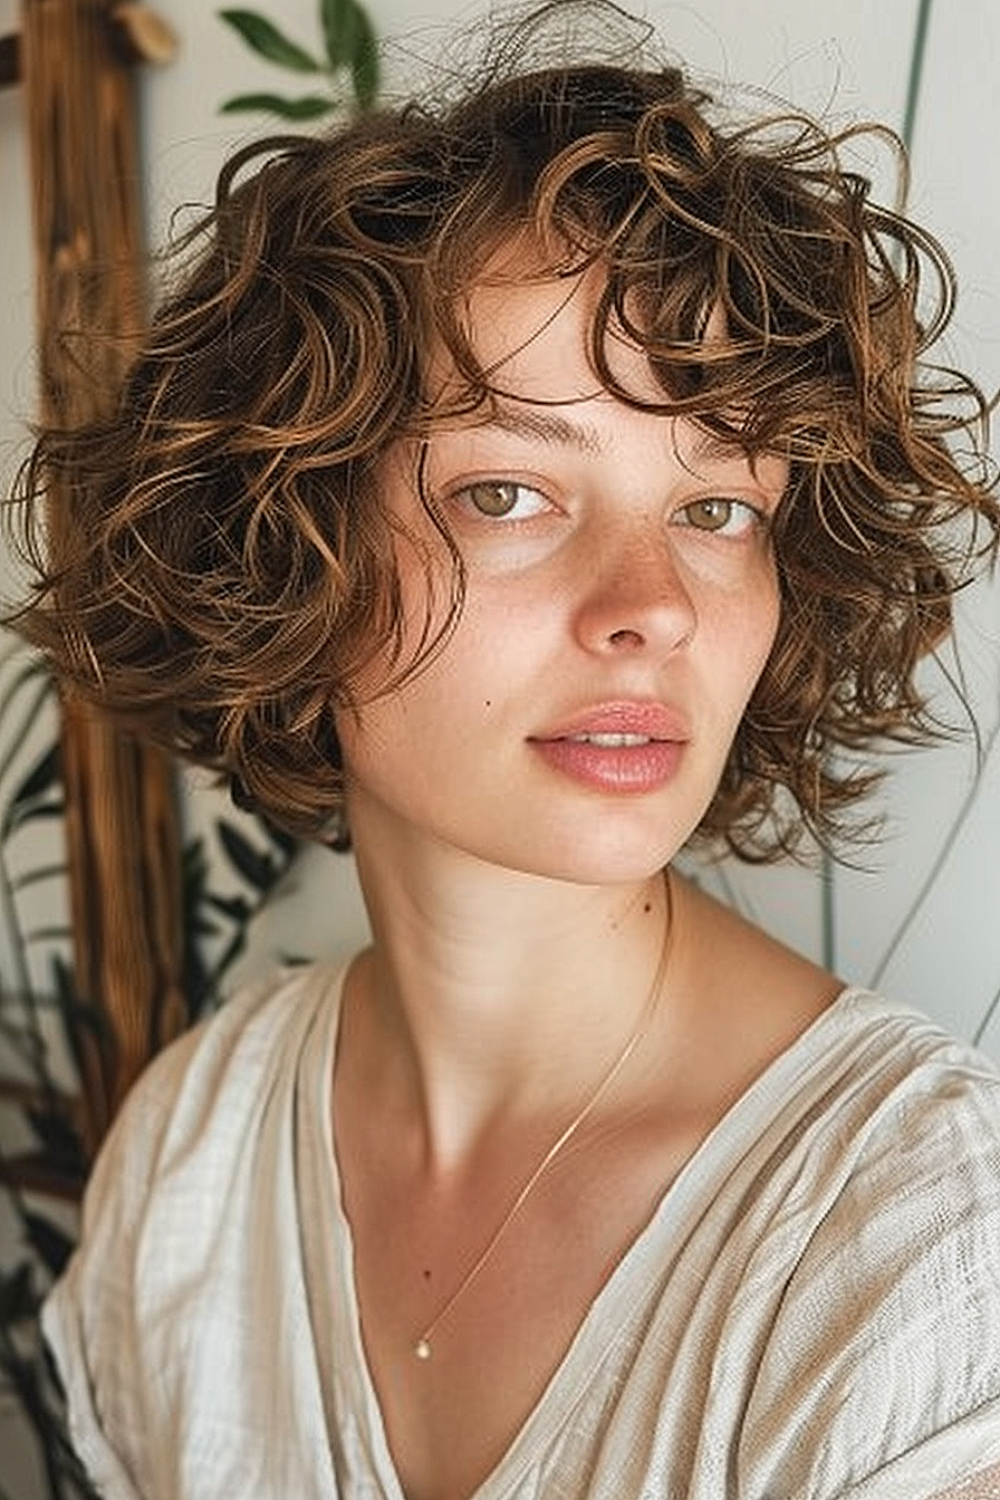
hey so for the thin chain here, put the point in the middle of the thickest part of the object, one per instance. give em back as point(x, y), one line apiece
point(422, 1347)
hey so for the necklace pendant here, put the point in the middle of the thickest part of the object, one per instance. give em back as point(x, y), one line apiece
point(422, 1349)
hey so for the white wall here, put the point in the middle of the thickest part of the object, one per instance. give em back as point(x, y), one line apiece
point(843, 61)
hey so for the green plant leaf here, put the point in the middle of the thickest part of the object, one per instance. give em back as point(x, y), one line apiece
point(201, 927)
point(194, 875)
point(50, 1244)
point(33, 797)
point(43, 776)
point(333, 15)
point(264, 38)
point(236, 908)
point(343, 22)
point(56, 1130)
point(286, 844)
point(365, 64)
point(17, 1297)
point(309, 107)
point(257, 869)
point(28, 812)
point(35, 672)
point(59, 933)
point(36, 1172)
point(39, 876)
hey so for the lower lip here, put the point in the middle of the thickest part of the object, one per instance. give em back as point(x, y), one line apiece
point(618, 768)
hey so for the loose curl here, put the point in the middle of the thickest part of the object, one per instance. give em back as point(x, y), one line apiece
point(225, 575)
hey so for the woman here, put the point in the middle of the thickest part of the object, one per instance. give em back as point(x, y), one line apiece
point(533, 485)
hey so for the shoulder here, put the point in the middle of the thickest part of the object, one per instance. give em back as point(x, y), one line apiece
point(909, 1128)
point(208, 1084)
point(922, 1147)
point(883, 1346)
point(168, 1223)
point(925, 1105)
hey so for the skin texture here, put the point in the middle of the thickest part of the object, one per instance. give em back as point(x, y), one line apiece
point(617, 564)
point(620, 582)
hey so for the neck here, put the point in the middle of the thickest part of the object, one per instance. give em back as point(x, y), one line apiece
point(490, 995)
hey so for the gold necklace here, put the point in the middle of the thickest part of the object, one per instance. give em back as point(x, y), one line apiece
point(422, 1348)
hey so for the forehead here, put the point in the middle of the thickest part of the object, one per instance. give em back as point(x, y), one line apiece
point(533, 329)
point(532, 340)
point(530, 329)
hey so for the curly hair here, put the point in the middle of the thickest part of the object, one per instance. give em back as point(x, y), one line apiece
point(225, 576)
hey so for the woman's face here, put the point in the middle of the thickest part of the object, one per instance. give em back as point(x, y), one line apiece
point(621, 602)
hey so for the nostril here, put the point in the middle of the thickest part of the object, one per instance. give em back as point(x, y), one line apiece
point(625, 637)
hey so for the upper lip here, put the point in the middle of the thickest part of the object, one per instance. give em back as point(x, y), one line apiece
point(653, 720)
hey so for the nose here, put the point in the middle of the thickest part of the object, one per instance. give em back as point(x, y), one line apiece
point(633, 596)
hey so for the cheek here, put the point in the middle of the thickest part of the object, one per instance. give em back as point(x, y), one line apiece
point(751, 628)
point(416, 625)
point(767, 626)
point(764, 638)
point(771, 618)
point(391, 724)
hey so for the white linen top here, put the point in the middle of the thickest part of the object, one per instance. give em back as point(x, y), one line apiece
point(812, 1312)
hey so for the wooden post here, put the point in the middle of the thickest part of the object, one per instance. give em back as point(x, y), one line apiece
point(123, 846)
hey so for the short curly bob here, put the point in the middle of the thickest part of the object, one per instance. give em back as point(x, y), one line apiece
point(227, 578)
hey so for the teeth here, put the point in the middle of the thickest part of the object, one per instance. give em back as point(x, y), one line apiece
point(610, 741)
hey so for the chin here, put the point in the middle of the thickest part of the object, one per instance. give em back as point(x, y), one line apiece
point(595, 862)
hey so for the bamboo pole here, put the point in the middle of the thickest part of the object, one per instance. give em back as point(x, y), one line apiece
point(123, 847)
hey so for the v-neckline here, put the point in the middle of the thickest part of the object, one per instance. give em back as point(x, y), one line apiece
point(356, 1402)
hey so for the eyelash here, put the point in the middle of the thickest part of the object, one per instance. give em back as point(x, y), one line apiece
point(512, 491)
point(754, 519)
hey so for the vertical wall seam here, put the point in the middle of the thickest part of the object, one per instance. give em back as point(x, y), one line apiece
point(828, 871)
point(916, 72)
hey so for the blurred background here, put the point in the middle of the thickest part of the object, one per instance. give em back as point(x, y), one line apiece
point(919, 913)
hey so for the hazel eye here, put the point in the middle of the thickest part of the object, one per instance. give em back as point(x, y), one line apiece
point(722, 516)
point(503, 499)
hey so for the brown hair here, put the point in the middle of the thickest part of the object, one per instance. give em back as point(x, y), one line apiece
point(230, 573)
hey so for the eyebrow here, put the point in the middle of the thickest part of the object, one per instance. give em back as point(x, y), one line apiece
point(712, 445)
point(549, 426)
point(560, 431)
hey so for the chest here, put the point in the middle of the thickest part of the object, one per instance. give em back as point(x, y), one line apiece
point(499, 1312)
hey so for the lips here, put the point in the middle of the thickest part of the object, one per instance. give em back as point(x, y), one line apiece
point(630, 747)
point(613, 741)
